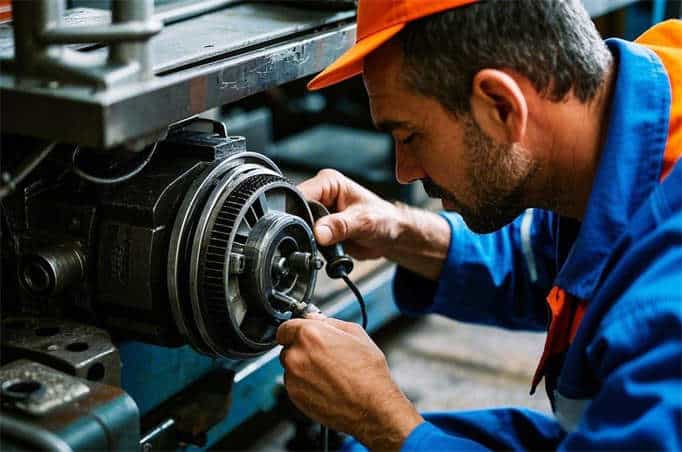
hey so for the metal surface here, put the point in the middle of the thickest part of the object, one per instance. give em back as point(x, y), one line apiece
point(51, 270)
point(199, 63)
point(196, 409)
point(175, 12)
point(77, 349)
point(43, 388)
point(72, 17)
point(26, 435)
point(68, 414)
point(40, 57)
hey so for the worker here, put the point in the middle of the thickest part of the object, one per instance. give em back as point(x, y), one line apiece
point(555, 154)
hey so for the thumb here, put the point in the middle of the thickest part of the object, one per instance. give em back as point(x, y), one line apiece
point(338, 227)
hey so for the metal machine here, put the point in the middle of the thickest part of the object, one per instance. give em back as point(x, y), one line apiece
point(147, 256)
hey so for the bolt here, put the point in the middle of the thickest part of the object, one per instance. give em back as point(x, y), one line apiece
point(281, 267)
point(305, 262)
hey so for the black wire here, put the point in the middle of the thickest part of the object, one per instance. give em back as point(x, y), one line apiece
point(8, 182)
point(361, 301)
point(363, 310)
point(95, 179)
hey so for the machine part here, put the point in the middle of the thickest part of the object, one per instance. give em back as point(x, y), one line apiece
point(208, 245)
point(161, 437)
point(240, 210)
point(35, 389)
point(268, 276)
point(16, 432)
point(9, 182)
point(123, 175)
point(200, 63)
point(76, 349)
point(40, 55)
point(51, 270)
point(135, 219)
point(67, 413)
point(190, 414)
point(339, 264)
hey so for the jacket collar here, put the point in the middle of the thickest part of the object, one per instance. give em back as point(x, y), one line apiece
point(629, 166)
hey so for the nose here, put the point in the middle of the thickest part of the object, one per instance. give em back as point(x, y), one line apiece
point(407, 167)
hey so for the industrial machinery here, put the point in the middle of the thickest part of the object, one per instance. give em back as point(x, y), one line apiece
point(208, 245)
point(148, 256)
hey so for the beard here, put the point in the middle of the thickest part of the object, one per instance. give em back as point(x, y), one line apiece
point(499, 180)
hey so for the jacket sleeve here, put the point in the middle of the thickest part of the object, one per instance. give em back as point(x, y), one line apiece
point(496, 279)
point(497, 429)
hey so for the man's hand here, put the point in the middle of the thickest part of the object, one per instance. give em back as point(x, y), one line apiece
point(364, 222)
point(371, 227)
point(336, 375)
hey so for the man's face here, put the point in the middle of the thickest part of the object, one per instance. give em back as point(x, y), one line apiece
point(455, 160)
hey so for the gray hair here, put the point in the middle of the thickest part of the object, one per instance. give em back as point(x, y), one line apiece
point(553, 43)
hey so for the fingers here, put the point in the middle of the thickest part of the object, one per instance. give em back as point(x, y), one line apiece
point(325, 187)
point(315, 316)
point(347, 327)
point(311, 329)
point(356, 215)
point(348, 224)
point(361, 252)
point(287, 332)
point(296, 331)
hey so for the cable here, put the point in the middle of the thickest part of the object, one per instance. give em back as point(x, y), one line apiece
point(110, 180)
point(9, 183)
point(363, 311)
point(361, 301)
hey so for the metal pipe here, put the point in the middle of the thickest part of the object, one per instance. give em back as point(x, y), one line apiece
point(104, 34)
point(51, 270)
point(136, 52)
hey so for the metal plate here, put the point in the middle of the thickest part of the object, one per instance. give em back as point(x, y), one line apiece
point(78, 349)
point(231, 30)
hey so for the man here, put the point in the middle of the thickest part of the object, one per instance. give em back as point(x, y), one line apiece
point(498, 107)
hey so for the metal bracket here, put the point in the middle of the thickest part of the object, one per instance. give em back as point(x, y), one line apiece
point(77, 349)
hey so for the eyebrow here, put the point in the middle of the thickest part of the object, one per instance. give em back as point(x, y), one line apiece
point(389, 125)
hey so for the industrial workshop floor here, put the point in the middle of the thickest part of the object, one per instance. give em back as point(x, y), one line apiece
point(442, 365)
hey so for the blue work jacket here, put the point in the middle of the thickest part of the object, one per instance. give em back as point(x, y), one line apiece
point(619, 383)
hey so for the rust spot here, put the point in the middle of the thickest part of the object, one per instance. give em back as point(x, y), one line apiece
point(197, 95)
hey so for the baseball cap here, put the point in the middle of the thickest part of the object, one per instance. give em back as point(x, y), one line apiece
point(378, 21)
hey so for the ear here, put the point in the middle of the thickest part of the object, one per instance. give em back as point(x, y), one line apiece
point(499, 106)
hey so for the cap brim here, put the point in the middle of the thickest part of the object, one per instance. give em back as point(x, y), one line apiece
point(350, 63)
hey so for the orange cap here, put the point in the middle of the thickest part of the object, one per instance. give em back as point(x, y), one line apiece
point(378, 21)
